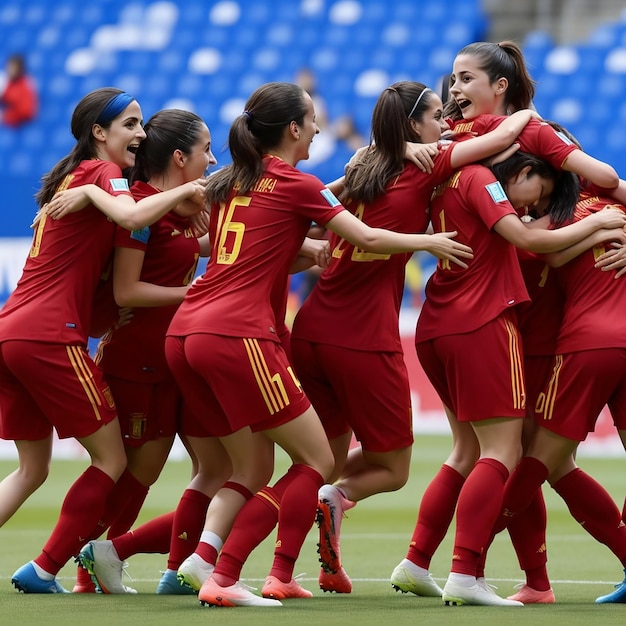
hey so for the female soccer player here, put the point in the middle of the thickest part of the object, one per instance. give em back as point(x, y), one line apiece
point(47, 379)
point(474, 314)
point(222, 345)
point(152, 270)
point(340, 326)
point(588, 366)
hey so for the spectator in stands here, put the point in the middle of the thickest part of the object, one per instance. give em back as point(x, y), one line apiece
point(19, 99)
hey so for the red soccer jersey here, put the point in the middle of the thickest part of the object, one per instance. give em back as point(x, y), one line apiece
point(356, 301)
point(135, 351)
point(539, 320)
point(254, 240)
point(53, 299)
point(594, 300)
point(461, 300)
point(538, 138)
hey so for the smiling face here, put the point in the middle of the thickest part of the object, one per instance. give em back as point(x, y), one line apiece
point(200, 158)
point(432, 123)
point(119, 142)
point(471, 88)
point(307, 130)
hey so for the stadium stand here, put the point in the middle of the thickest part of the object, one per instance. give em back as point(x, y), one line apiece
point(209, 56)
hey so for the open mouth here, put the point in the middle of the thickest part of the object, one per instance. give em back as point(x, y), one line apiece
point(463, 103)
point(133, 149)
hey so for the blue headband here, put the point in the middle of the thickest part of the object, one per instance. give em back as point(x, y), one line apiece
point(113, 108)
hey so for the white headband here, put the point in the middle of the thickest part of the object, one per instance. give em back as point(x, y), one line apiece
point(418, 101)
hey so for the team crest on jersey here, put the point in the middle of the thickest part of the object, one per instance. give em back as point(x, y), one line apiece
point(141, 234)
point(330, 197)
point(119, 184)
point(496, 192)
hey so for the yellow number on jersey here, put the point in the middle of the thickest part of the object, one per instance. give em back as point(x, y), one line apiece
point(225, 226)
point(357, 253)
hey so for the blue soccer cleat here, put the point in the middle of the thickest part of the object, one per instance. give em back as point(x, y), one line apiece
point(26, 579)
point(169, 585)
point(616, 597)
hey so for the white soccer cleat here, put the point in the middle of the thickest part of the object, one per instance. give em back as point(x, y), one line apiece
point(194, 571)
point(100, 559)
point(479, 594)
point(408, 577)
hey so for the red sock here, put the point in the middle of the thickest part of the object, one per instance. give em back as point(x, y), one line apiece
point(435, 514)
point(253, 524)
point(153, 537)
point(527, 530)
point(295, 518)
point(82, 508)
point(479, 504)
point(130, 495)
point(592, 507)
point(520, 489)
point(187, 526)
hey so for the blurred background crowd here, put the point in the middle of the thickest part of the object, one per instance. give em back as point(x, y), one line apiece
point(208, 56)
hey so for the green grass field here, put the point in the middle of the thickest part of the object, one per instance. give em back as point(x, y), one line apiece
point(374, 538)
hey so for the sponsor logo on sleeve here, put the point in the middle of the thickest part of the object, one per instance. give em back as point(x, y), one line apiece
point(496, 192)
point(141, 234)
point(329, 196)
point(119, 184)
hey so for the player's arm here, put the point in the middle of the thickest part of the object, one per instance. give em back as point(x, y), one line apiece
point(612, 259)
point(123, 209)
point(128, 288)
point(598, 172)
point(313, 252)
point(540, 240)
point(441, 245)
point(493, 142)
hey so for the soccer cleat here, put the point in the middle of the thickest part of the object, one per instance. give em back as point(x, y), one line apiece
point(330, 510)
point(194, 571)
point(277, 589)
point(408, 577)
point(528, 595)
point(27, 580)
point(84, 582)
point(616, 597)
point(339, 581)
point(169, 585)
point(478, 594)
point(235, 595)
point(100, 559)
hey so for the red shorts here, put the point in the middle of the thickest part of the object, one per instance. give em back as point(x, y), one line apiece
point(580, 385)
point(239, 382)
point(146, 411)
point(366, 392)
point(478, 375)
point(537, 372)
point(46, 385)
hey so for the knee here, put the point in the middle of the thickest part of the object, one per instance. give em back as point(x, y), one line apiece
point(35, 476)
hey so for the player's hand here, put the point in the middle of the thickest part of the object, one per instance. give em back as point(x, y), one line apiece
point(610, 216)
point(316, 249)
point(615, 258)
point(443, 246)
point(67, 201)
point(422, 154)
